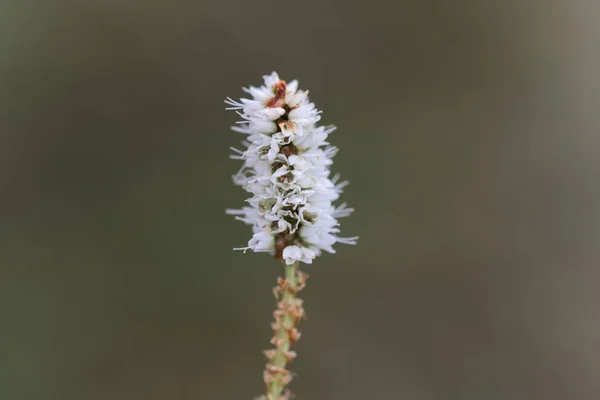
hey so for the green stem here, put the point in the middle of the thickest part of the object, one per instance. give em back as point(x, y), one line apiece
point(282, 333)
point(289, 312)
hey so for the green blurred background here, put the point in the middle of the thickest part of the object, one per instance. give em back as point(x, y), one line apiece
point(468, 130)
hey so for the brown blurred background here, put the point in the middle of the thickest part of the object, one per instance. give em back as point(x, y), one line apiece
point(468, 130)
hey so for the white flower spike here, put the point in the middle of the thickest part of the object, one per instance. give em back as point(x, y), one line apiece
point(286, 169)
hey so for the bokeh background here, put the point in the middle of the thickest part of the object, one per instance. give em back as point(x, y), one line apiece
point(469, 132)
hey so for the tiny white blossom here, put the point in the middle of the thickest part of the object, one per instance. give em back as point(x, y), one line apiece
point(286, 169)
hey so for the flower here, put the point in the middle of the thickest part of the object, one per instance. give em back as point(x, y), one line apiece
point(286, 169)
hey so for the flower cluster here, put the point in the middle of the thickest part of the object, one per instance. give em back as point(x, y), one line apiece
point(286, 169)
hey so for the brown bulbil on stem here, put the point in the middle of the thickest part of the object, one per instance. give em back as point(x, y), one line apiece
point(288, 314)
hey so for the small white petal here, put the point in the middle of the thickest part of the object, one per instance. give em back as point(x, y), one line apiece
point(292, 86)
point(296, 98)
point(269, 114)
point(291, 254)
point(271, 79)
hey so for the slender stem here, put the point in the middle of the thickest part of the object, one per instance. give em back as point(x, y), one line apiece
point(289, 312)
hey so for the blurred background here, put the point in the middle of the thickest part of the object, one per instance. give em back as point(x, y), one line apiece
point(468, 131)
